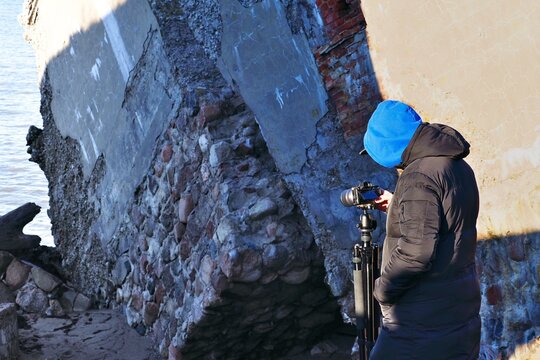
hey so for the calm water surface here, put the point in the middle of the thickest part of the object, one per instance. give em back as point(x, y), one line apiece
point(21, 181)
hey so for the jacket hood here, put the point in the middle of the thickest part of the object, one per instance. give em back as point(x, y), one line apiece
point(435, 140)
point(389, 131)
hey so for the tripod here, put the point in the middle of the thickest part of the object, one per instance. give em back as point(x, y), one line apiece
point(366, 268)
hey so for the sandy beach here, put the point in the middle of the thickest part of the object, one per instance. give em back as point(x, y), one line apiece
point(92, 335)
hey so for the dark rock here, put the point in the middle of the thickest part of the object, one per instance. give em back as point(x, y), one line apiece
point(174, 353)
point(141, 329)
point(158, 169)
point(171, 176)
point(17, 274)
point(136, 301)
point(324, 349)
point(55, 309)
point(275, 256)
point(245, 147)
point(243, 166)
point(185, 207)
point(153, 185)
point(219, 152)
point(151, 311)
point(82, 303)
point(262, 208)
point(225, 228)
point(230, 263)
point(68, 299)
point(517, 250)
point(44, 280)
point(316, 319)
point(9, 338)
point(219, 282)
point(6, 295)
point(296, 276)
point(137, 217)
point(167, 153)
point(121, 270)
point(493, 294)
point(210, 112)
point(32, 299)
point(5, 260)
point(179, 230)
point(167, 218)
point(315, 297)
point(206, 269)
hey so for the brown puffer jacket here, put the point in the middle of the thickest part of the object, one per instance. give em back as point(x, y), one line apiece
point(428, 289)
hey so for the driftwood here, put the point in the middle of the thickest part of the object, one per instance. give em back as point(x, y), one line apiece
point(12, 224)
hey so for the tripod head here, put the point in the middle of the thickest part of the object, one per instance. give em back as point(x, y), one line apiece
point(367, 224)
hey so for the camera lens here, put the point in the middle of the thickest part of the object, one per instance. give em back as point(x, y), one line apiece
point(347, 198)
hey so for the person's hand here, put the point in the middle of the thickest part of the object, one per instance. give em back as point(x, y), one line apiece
point(381, 203)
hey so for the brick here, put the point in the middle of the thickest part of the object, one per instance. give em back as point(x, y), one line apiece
point(167, 153)
point(517, 250)
point(210, 112)
point(493, 294)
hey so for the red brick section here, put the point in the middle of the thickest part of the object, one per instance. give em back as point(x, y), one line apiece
point(345, 64)
point(494, 294)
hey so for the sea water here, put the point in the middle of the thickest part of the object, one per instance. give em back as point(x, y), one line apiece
point(21, 181)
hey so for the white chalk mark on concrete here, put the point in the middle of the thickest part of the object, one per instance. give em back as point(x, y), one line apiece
point(279, 98)
point(83, 150)
point(78, 115)
point(138, 117)
point(95, 69)
point(89, 112)
point(96, 151)
point(117, 42)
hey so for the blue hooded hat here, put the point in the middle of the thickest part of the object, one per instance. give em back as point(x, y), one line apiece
point(389, 131)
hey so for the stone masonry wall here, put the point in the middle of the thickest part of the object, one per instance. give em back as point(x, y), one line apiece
point(216, 239)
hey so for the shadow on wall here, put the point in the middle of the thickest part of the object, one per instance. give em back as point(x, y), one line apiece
point(93, 115)
point(100, 120)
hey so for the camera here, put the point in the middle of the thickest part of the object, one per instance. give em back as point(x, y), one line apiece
point(361, 195)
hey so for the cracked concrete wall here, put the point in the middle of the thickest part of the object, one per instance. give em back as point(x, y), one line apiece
point(97, 67)
point(277, 76)
point(101, 102)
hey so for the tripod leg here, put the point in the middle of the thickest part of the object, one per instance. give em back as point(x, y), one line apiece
point(376, 308)
point(359, 299)
point(371, 319)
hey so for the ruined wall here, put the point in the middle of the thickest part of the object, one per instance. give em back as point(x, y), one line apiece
point(473, 65)
point(277, 69)
point(164, 199)
point(196, 151)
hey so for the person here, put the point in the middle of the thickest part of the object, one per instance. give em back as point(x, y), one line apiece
point(428, 289)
